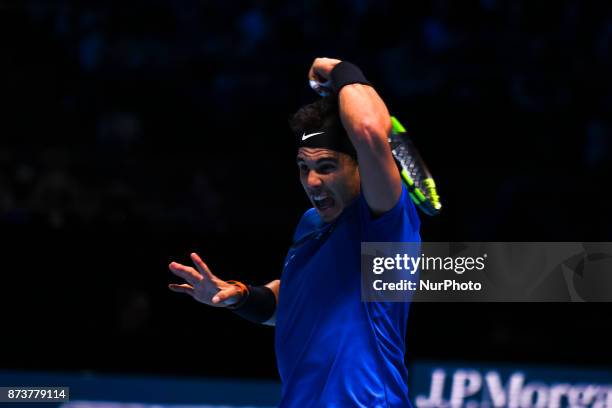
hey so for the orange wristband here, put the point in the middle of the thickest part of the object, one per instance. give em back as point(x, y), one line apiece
point(244, 292)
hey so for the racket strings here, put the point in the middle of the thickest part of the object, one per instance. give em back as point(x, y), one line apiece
point(409, 163)
point(414, 172)
point(421, 186)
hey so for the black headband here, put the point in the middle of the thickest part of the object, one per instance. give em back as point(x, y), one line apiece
point(329, 137)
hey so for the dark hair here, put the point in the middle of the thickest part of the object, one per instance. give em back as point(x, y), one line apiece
point(320, 114)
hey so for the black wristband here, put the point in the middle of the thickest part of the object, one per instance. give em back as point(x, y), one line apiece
point(257, 305)
point(345, 73)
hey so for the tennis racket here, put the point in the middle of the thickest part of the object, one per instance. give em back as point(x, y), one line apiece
point(413, 170)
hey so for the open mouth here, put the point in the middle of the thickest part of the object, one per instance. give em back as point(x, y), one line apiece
point(322, 202)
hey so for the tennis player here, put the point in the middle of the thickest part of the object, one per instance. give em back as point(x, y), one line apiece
point(333, 350)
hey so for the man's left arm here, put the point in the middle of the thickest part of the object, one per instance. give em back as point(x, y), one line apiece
point(367, 121)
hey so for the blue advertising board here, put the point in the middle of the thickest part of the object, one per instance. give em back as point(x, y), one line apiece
point(432, 384)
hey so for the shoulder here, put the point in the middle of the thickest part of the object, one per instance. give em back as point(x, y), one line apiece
point(400, 223)
point(309, 222)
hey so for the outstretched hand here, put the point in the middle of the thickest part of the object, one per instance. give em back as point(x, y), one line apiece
point(202, 285)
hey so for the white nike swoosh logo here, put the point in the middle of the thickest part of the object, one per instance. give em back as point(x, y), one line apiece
point(306, 136)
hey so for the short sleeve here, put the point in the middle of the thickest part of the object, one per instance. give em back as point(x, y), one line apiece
point(400, 224)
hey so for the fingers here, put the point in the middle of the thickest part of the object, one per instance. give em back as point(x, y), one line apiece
point(202, 268)
point(315, 74)
point(311, 76)
point(186, 272)
point(182, 288)
point(226, 296)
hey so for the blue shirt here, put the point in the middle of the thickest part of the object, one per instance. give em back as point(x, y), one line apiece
point(332, 349)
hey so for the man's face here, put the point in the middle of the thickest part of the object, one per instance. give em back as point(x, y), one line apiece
point(330, 179)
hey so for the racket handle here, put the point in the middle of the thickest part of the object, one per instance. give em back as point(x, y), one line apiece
point(322, 88)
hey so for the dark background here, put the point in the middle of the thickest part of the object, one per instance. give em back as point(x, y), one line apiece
point(133, 133)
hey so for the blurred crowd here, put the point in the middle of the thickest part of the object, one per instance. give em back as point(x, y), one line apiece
point(99, 93)
point(127, 133)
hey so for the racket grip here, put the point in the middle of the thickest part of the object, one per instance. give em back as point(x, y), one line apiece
point(322, 88)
